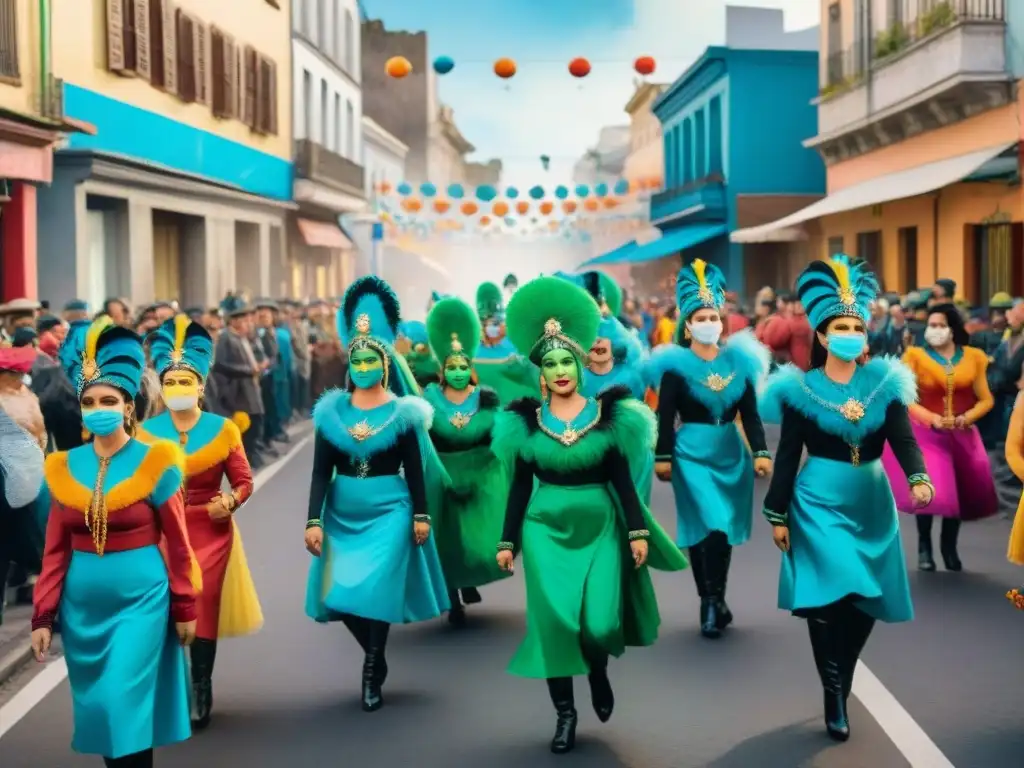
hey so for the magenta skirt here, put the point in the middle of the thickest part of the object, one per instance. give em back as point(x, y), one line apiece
point(958, 467)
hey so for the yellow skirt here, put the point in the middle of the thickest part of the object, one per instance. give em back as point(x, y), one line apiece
point(240, 612)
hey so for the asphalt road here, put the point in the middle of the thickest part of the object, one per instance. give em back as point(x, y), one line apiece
point(288, 696)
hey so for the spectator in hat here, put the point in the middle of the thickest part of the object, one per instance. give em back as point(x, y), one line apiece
point(213, 322)
point(266, 336)
point(118, 311)
point(25, 336)
point(990, 338)
point(76, 309)
point(52, 332)
point(943, 292)
point(17, 313)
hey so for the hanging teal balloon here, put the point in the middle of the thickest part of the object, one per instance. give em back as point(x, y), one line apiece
point(537, 192)
point(561, 192)
point(582, 190)
point(601, 190)
point(486, 193)
point(621, 187)
point(444, 64)
point(456, 192)
point(404, 189)
point(427, 189)
point(511, 193)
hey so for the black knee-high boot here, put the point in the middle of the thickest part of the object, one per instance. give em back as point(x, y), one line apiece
point(375, 665)
point(457, 614)
point(601, 695)
point(203, 654)
point(827, 642)
point(723, 560)
point(925, 558)
point(947, 543)
point(359, 629)
point(704, 567)
point(562, 697)
point(471, 596)
point(859, 629)
point(143, 759)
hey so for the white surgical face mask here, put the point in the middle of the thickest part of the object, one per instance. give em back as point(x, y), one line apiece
point(493, 330)
point(706, 332)
point(937, 337)
point(26, 380)
point(182, 402)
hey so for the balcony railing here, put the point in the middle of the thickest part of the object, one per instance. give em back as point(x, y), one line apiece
point(706, 196)
point(318, 163)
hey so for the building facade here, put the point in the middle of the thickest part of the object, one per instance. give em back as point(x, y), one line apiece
point(446, 154)
point(330, 181)
point(483, 174)
point(919, 124)
point(32, 123)
point(184, 191)
point(645, 162)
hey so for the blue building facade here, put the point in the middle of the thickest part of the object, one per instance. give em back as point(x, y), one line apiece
point(733, 126)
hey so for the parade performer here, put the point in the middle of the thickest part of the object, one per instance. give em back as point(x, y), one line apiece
point(471, 518)
point(617, 357)
point(1015, 460)
point(497, 365)
point(573, 509)
point(376, 484)
point(952, 394)
point(705, 387)
point(125, 611)
point(182, 352)
point(414, 346)
point(834, 518)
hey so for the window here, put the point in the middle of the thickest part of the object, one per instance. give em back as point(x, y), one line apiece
point(9, 65)
point(835, 74)
point(266, 96)
point(156, 39)
point(306, 19)
point(336, 33)
point(321, 24)
point(186, 57)
point(337, 123)
point(307, 104)
point(350, 44)
point(908, 259)
point(200, 43)
point(715, 135)
point(325, 133)
point(835, 245)
point(700, 149)
point(223, 71)
point(687, 151)
point(895, 14)
point(350, 131)
point(250, 75)
point(670, 165)
point(869, 248)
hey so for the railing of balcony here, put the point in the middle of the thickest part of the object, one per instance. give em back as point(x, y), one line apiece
point(844, 69)
point(318, 163)
point(686, 189)
point(912, 20)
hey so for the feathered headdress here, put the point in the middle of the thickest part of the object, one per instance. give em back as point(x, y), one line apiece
point(834, 287)
point(181, 343)
point(104, 354)
point(699, 285)
point(550, 313)
point(453, 330)
point(488, 301)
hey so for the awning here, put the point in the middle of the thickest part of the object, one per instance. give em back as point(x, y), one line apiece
point(322, 234)
point(882, 189)
point(678, 239)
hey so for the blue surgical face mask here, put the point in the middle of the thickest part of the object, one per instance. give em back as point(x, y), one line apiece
point(847, 346)
point(102, 421)
point(366, 378)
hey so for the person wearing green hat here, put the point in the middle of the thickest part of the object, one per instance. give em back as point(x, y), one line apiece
point(497, 364)
point(412, 344)
point(471, 515)
point(573, 512)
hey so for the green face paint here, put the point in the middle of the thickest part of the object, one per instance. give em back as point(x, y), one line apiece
point(457, 373)
point(560, 371)
point(365, 368)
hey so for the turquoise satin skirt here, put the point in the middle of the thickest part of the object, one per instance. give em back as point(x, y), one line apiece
point(713, 481)
point(129, 683)
point(845, 540)
point(370, 566)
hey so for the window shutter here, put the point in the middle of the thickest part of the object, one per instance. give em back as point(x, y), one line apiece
point(229, 64)
point(239, 84)
point(251, 87)
point(260, 114)
point(143, 50)
point(115, 35)
point(217, 96)
point(186, 57)
point(170, 31)
point(272, 97)
point(200, 45)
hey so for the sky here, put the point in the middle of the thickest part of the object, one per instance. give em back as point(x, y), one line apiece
point(543, 110)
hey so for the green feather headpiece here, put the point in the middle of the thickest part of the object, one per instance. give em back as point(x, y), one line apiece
point(488, 301)
point(551, 313)
point(453, 330)
point(612, 293)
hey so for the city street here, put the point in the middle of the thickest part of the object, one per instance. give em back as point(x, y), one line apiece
point(944, 690)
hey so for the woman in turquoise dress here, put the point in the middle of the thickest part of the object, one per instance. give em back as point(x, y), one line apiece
point(376, 483)
point(705, 388)
point(472, 514)
point(126, 608)
point(834, 518)
point(573, 510)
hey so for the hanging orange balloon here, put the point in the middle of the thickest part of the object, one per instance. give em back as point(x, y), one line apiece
point(442, 206)
point(505, 68)
point(579, 67)
point(590, 204)
point(546, 208)
point(485, 221)
point(411, 204)
point(398, 67)
point(522, 207)
point(500, 208)
point(610, 202)
point(644, 65)
point(469, 208)
point(569, 206)
point(384, 187)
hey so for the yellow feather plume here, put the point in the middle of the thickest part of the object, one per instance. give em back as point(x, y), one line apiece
point(92, 336)
point(242, 421)
point(181, 324)
point(842, 273)
point(699, 267)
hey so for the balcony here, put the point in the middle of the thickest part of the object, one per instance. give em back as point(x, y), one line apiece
point(941, 67)
point(319, 164)
point(700, 200)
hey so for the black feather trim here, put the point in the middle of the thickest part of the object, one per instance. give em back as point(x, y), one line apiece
point(489, 399)
point(371, 284)
point(608, 399)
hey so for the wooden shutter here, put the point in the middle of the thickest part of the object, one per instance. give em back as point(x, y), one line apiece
point(170, 49)
point(218, 97)
point(143, 50)
point(186, 57)
point(260, 115)
point(156, 42)
point(201, 52)
point(115, 36)
point(251, 71)
point(229, 66)
point(239, 83)
point(130, 44)
point(271, 96)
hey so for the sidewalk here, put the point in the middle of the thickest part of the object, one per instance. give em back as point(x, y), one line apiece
point(15, 650)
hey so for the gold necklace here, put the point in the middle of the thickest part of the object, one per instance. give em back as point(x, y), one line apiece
point(96, 514)
point(569, 435)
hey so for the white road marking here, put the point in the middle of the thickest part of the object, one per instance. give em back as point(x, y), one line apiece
point(909, 738)
point(40, 686)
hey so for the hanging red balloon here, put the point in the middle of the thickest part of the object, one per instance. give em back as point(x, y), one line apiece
point(579, 67)
point(644, 65)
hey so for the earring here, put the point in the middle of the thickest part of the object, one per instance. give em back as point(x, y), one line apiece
point(686, 333)
point(543, 389)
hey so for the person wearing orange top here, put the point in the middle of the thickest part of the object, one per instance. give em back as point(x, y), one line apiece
point(1015, 458)
point(953, 395)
